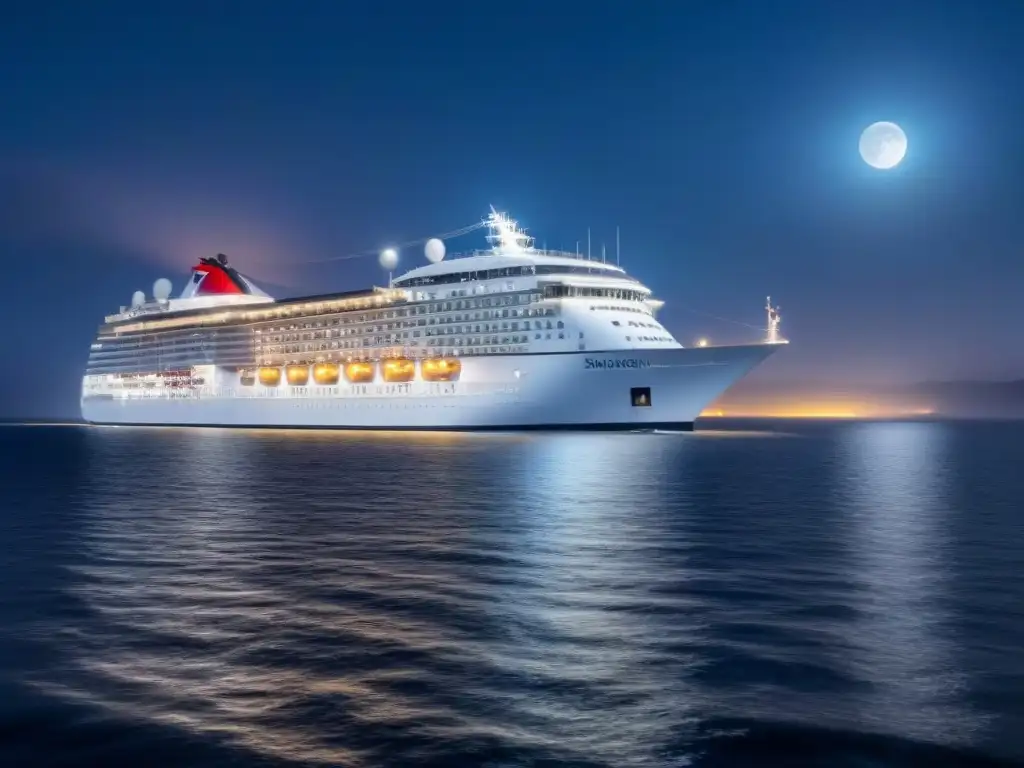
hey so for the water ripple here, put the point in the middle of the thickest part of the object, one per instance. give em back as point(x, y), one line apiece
point(628, 600)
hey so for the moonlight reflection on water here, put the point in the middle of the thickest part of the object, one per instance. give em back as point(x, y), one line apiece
point(599, 600)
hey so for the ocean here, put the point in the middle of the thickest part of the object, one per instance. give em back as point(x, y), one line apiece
point(778, 593)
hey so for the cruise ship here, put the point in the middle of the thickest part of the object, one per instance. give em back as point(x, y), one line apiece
point(511, 337)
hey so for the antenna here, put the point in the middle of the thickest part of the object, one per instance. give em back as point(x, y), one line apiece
point(577, 249)
point(602, 253)
point(616, 245)
point(774, 318)
point(588, 243)
point(505, 235)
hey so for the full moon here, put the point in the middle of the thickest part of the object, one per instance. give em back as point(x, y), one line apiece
point(883, 145)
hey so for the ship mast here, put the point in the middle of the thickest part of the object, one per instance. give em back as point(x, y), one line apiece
point(774, 318)
point(505, 235)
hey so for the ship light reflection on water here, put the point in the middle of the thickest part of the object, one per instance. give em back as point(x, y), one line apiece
point(190, 595)
point(600, 585)
point(256, 594)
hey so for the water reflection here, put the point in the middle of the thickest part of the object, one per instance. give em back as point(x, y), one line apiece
point(901, 639)
point(595, 639)
point(251, 590)
point(369, 600)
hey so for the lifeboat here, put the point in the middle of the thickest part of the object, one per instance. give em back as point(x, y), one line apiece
point(359, 372)
point(325, 373)
point(270, 377)
point(247, 378)
point(441, 368)
point(399, 369)
point(298, 375)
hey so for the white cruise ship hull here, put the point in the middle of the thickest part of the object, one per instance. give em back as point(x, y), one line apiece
point(624, 390)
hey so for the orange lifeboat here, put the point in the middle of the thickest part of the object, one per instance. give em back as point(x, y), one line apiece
point(298, 375)
point(270, 377)
point(325, 373)
point(441, 368)
point(399, 369)
point(247, 378)
point(359, 372)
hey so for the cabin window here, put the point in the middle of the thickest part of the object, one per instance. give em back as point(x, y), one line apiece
point(640, 397)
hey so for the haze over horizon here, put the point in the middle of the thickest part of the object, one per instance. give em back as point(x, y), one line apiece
point(721, 139)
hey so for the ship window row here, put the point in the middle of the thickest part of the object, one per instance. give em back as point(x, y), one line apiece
point(275, 334)
point(150, 366)
point(469, 347)
point(161, 356)
point(638, 324)
point(456, 339)
point(187, 358)
point(425, 309)
point(388, 338)
point(203, 356)
point(642, 310)
point(213, 352)
point(209, 340)
point(466, 344)
point(582, 291)
point(226, 333)
point(171, 345)
point(326, 305)
point(148, 354)
point(331, 328)
point(505, 272)
point(305, 317)
point(196, 336)
point(156, 348)
point(431, 328)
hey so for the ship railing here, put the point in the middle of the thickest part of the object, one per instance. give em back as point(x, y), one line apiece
point(532, 252)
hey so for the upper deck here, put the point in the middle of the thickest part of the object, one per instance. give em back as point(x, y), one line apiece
point(486, 265)
point(511, 255)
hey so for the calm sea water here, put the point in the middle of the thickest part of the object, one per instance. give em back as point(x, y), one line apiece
point(844, 594)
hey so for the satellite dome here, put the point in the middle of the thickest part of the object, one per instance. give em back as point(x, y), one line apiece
point(138, 299)
point(162, 289)
point(434, 250)
point(388, 258)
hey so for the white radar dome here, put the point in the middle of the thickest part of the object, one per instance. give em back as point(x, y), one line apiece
point(388, 258)
point(434, 250)
point(162, 289)
point(138, 299)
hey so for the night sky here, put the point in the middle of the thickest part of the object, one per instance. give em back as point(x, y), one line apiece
point(720, 136)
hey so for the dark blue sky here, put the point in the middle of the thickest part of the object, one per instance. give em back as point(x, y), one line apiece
point(720, 136)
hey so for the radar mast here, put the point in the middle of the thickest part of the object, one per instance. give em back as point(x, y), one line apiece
point(774, 318)
point(505, 235)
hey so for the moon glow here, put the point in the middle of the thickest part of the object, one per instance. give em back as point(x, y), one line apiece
point(883, 145)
